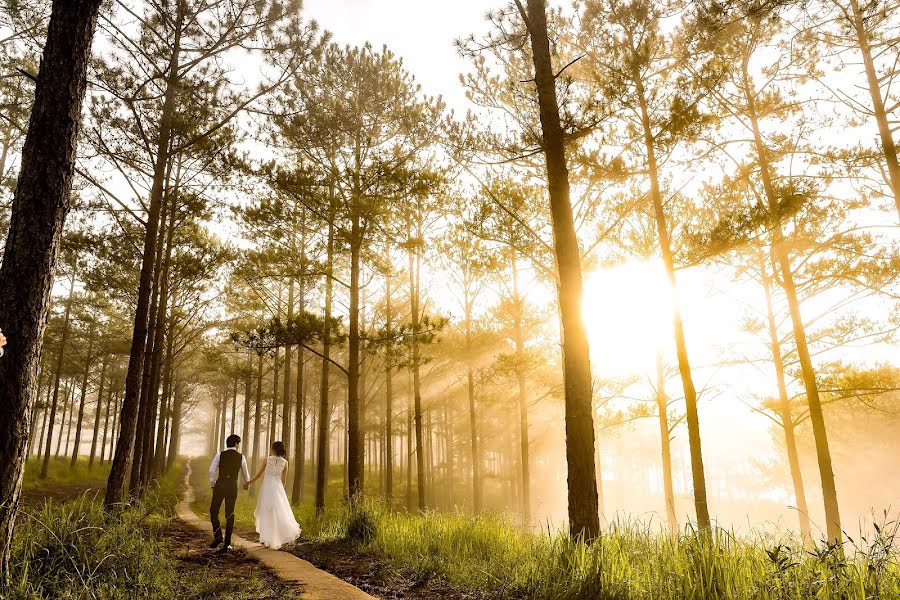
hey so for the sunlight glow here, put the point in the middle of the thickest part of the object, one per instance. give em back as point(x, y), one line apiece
point(627, 311)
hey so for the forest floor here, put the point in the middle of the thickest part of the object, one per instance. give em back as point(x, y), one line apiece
point(345, 559)
point(198, 571)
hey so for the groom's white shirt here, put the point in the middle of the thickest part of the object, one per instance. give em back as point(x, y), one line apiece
point(214, 467)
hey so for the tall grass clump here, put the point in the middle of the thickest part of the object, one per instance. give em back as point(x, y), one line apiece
point(75, 550)
point(492, 554)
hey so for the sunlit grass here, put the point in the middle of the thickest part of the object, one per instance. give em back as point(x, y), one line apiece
point(492, 554)
point(77, 550)
point(60, 472)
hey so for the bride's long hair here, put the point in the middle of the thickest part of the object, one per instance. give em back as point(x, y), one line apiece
point(279, 449)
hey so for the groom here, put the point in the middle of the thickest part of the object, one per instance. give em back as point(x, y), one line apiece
point(223, 477)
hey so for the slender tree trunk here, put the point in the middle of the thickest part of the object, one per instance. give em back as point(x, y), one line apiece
point(780, 249)
point(888, 146)
point(115, 487)
point(523, 396)
point(409, 442)
point(355, 441)
point(248, 384)
point(258, 409)
point(698, 473)
point(388, 385)
point(177, 404)
point(96, 431)
point(584, 516)
point(322, 463)
point(300, 403)
point(109, 399)
point(160, 454)
point(784, 407)
point(417, 395)
point(662, 407)
point(84, 385)
point(39, 208)
point(67, 399)
point(59, 364)
point(286, 410)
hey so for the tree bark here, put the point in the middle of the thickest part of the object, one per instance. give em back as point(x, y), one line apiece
point(59, 364)
point(258, 408)
point(662, 407)
point(698, 473)
point(584, 519)
point(322, 463)
point(355, 442)
point(784, 407)
point(388, 385)
point(523, 397)
point(417, 394)
point(96, 433)
point(780, 249)
point(888, 147)
point(39, 209)
point(115, 487)
point(175, 436)
point(109, 400)
point(84, 386)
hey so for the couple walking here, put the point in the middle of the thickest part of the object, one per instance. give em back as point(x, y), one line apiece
point(275, 522)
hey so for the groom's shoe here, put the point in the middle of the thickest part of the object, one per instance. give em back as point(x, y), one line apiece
point(224, 548)
point(216, 541)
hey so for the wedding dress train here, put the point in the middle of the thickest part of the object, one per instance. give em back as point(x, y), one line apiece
point(275, 522)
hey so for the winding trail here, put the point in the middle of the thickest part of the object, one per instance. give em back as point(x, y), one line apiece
point(314, 583)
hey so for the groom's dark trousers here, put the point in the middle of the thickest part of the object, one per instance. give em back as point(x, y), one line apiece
point(226, 489)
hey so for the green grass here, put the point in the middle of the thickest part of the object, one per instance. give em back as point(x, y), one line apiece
point(491, 554)
point(60, 472)
point(76, 550)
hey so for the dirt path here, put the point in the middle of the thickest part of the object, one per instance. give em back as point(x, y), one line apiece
point(313, 583)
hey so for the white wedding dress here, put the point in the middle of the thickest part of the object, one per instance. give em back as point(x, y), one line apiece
point(275, 522)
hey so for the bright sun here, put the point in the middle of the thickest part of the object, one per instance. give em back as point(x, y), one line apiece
point(627, 311)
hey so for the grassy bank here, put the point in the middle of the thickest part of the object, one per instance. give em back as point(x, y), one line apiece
point(492, 555)
point(60, 472)
point(72, 549)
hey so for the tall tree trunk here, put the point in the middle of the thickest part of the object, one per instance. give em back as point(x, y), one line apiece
point(300, 403)
point(808, 373)
point(523, 396)
point(109, 400)
point(67, 400)
point(39, 209)
point(417, 394)
point(584, 518)
point(286, 410)
point(258, 408)
point(59, 364)
point(888, 146)
point(160, 455)
point(84, 385)
point(355, 442)
point(96, 433)
point(177, 404)
point(115, 487)
point(698, 473)
point(784, 407)
point(388, 384)
point(662, 407)
point(409, 442)
point(248, 383)
point(322, 462)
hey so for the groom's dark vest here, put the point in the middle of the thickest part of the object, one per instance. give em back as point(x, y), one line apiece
point(229, 468)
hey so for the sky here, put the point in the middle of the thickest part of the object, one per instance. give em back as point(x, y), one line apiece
point(420, 31)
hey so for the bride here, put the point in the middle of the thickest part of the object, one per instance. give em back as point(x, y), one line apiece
point(275, 522)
